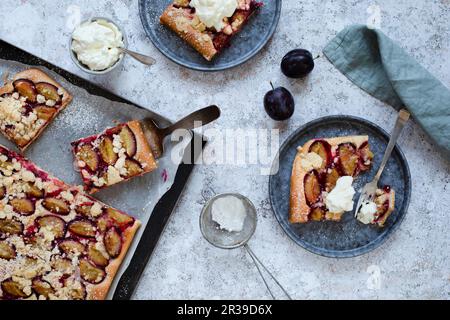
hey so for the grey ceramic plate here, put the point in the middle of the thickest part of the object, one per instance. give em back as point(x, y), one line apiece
point(243, 47)
point(348, 238)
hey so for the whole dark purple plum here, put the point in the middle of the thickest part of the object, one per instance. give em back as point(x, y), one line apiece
point(297, 63)
point(279, 103)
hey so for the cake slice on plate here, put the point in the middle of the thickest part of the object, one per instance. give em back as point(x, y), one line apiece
point(118, 154)
point(56, 242)
point(194, 22)
point(322, 175)
point(28, 104)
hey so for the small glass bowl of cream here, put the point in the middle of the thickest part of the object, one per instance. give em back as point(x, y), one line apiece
point(95, 45)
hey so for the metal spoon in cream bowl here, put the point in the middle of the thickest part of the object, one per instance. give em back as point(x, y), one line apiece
point(97, 46)
point(139, 57)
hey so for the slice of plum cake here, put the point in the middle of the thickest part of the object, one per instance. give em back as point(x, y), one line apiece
point(318, 166)
point(28, 104)
point(183, 19)
point(118, 154)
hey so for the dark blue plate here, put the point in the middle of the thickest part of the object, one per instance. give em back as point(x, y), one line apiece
point(348, 238)
point(244, 45)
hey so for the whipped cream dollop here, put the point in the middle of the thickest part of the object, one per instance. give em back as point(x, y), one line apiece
point(229, 212)
point(367, 212)
point(96, 44)
point(340, 199)
point(212, 12)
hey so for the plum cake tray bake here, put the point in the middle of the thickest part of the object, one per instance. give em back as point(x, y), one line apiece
point(149, 198)
point(56, 242)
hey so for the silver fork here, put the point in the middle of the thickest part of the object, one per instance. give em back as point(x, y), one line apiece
point(369, 190)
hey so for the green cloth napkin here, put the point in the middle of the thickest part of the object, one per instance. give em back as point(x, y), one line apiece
point(376, 64)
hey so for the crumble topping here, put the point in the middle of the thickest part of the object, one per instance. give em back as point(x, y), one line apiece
point(40, 98)
point(311, 161)
point(182, 22)
point(16, 120)
point(244, 4)
point(113, 175)
point(96, 210)
point(113, 156)
point(50, 103)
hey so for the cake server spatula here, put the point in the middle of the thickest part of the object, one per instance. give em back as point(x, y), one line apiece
point(155, 135)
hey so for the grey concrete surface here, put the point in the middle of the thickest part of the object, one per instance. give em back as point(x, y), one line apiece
point(415, 261)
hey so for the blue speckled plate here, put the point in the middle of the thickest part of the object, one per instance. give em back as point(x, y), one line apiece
point(348, 238)
point(244, 45)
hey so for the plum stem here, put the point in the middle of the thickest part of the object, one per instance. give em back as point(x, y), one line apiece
point(318, 56)
point(271, 84)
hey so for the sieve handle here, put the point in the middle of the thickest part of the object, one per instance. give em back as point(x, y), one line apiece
point(260, 265)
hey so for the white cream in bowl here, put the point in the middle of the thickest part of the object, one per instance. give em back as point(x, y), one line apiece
point(96, 44)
